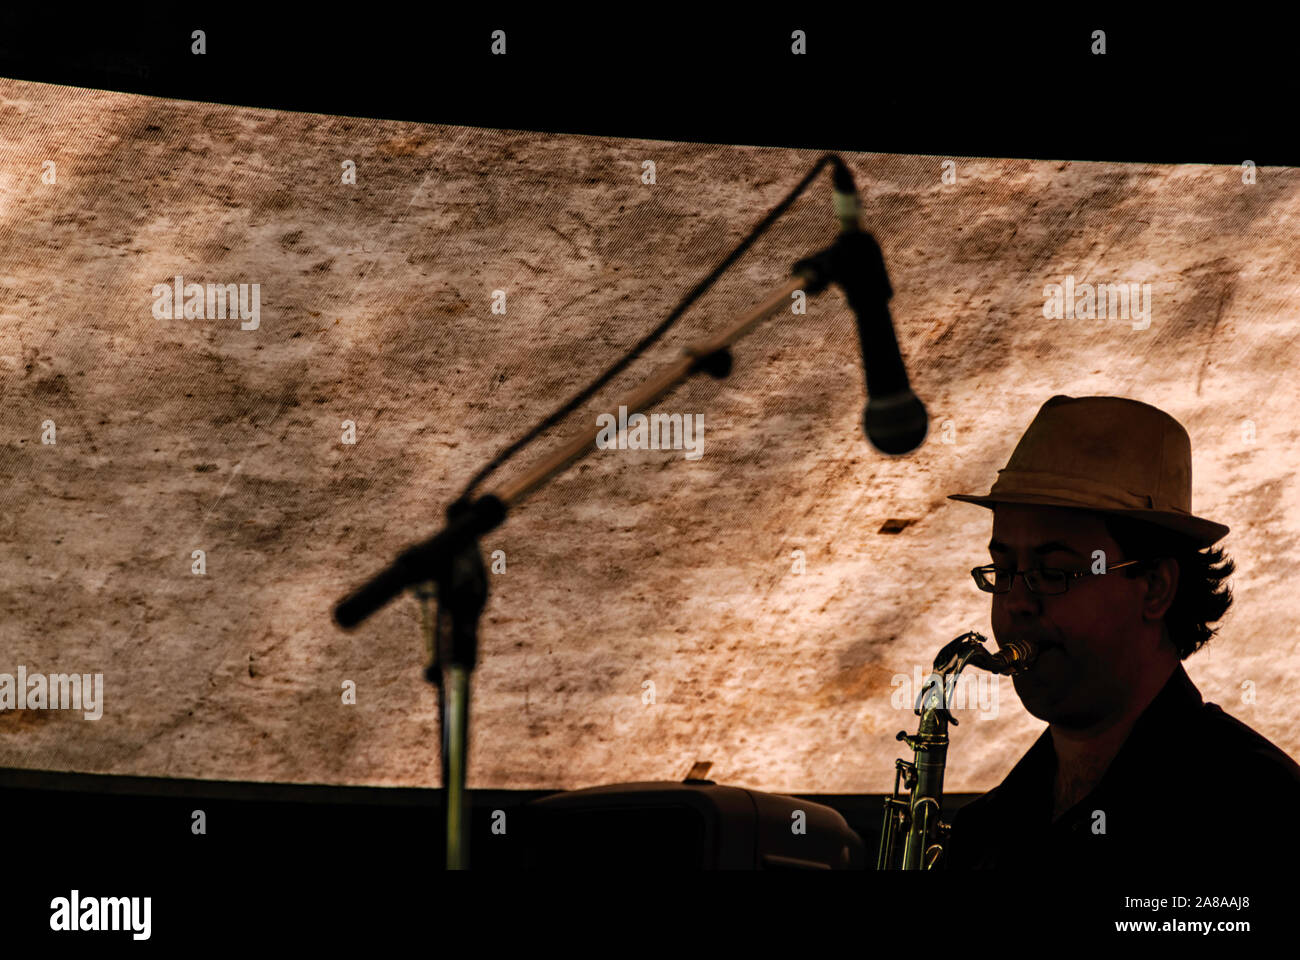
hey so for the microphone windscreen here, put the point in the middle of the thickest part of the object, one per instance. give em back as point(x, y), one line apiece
point(896, 424)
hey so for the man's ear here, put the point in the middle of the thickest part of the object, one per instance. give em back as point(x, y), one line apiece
point(1161, 578)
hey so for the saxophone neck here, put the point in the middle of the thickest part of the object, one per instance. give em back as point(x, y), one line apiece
point(969, 649)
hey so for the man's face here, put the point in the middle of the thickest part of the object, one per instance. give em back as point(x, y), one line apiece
point(1088, 636)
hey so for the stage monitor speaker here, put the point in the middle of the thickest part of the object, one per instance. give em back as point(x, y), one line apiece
point(695, 825)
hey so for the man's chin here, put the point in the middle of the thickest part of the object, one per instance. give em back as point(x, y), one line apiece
point(1055, 707)
point(1044, 702)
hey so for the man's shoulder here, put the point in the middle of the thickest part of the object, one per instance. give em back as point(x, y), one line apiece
point(982, 809)
point(1230, 745)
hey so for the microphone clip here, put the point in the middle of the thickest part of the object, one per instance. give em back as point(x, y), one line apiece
point(855, 262)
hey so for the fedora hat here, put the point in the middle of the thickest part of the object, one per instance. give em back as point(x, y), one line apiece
point(1107, 454)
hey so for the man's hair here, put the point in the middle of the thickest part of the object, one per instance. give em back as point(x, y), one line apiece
point(1202, 597)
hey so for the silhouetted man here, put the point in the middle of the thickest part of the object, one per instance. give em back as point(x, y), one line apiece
point(1097, 557)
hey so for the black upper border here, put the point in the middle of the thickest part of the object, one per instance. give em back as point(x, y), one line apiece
point(924, 82)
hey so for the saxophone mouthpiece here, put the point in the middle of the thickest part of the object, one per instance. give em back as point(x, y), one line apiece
point(1015, 656)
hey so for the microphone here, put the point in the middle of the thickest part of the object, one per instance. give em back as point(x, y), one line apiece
point(895, 420)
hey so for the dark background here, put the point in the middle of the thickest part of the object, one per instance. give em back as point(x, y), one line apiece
point(150, 812)
point(1169, 88)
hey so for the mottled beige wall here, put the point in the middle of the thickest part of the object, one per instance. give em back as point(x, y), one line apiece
point(177, 435)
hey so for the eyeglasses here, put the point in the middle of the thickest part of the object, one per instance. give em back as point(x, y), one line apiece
point(1044, 580)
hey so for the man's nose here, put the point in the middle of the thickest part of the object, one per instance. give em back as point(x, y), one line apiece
point(1020, 599)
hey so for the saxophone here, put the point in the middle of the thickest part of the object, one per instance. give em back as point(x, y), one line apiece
point(917, 816)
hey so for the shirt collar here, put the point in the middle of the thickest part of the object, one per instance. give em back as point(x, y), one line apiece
point(1174, 704)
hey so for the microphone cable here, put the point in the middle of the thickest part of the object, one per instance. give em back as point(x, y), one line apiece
point(660, 330)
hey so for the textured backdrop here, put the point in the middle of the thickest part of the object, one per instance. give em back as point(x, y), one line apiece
point(637, 571)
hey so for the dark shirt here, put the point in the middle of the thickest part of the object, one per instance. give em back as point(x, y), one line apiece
point(1191, 788)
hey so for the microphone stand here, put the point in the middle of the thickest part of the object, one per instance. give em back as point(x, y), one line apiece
point(449, 565)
